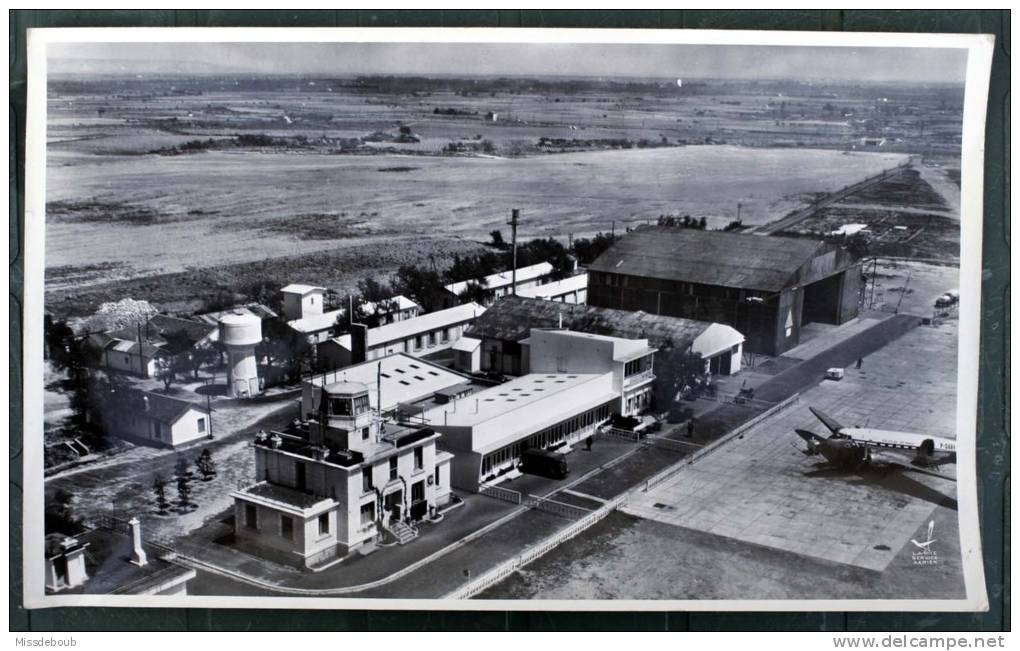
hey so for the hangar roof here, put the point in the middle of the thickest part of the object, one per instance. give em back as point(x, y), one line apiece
point(725, 259)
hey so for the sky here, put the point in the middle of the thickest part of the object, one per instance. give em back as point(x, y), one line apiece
point(615, 60)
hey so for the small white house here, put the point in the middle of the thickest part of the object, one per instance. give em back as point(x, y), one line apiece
point(300, 301)
point(156, 419)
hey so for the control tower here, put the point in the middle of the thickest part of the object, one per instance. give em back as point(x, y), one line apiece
point(240, 333)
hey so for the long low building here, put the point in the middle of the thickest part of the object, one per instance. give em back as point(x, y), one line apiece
point(573, 289)
point(422, 335)
point(580, 381)
point(500, 284)
point(498, 340)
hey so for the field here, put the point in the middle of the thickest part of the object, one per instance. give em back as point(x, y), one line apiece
point(228, 207)
point(169, 186)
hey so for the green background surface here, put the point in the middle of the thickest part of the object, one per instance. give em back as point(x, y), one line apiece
point(993, 402)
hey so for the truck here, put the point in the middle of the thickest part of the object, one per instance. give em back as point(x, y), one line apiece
point(544, 463)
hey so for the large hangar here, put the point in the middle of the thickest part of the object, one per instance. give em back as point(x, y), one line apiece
point(766, 287)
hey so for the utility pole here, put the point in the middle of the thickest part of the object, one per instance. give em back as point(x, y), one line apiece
point(514, 215)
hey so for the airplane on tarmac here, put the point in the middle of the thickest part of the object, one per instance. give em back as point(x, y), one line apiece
point(858, 447)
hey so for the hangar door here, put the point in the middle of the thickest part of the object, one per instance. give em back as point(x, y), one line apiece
point(821, 300)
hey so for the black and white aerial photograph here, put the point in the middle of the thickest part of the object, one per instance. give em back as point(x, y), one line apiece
point(557, 318)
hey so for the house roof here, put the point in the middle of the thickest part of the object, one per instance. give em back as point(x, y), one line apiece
point(104, 341)
point(297, 288)
point(400, 330)
point(725, 259)
point(504, 278)
point(555, 288)
point(161, 407)
point(156, 329)
point(511, 319)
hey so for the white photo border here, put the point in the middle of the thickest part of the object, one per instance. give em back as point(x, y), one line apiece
point(979, 48)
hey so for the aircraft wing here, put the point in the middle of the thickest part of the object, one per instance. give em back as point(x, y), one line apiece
point(902, 460)
point(827, 420)
point(809, 437)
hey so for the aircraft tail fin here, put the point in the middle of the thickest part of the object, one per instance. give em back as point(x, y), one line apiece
point(829, 422)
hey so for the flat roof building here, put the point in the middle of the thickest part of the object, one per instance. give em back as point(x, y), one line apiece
point(581, 381)
point(399, 378)
point(347, 480)
point(764, 286)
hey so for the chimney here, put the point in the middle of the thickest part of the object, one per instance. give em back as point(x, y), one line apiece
point(138, 556)
point(359, 343)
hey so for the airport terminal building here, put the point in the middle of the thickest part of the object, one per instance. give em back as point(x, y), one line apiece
point(578, 381)
point(764, 286)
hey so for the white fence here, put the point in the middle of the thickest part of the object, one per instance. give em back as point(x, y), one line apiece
point(714, 445)
point(500, 493)
point(556, 507)
point(506, 568)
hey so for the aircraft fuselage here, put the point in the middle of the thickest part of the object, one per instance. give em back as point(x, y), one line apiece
point(902, 440)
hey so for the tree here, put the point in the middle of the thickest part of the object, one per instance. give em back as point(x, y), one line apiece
point(286, 348)
point(59, 515)
point(57, 335)
point(165, 371)
point(159, 489)
point(119, 314)
point(476, 292)
point(183, 493)
point(181, 468)
point(548, 250)
point(474, 267)
point(424, 286)
point(206, 465)
point(679, 373)
point(373, 291)
point(588, 250)
point(202, 355)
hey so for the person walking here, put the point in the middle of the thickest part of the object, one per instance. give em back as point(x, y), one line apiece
point(587, 444)
point(690, 428)
point(860, 361)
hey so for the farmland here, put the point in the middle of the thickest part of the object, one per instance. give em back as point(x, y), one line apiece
point(207, 181)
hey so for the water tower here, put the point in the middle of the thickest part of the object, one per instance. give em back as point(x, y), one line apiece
point(239, 334)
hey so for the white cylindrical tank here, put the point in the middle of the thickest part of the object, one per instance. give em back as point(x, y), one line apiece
point(239, 334)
